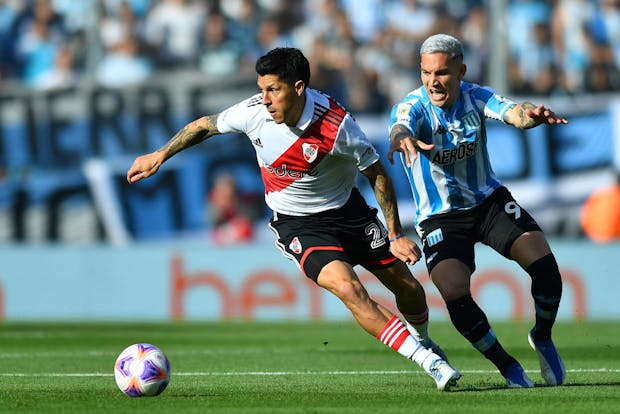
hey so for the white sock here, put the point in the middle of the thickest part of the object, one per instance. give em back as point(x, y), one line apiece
point(419, 332)
point(418, 325)
point(396, 335)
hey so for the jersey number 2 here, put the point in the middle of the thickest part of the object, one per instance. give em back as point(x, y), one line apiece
point(377, 235)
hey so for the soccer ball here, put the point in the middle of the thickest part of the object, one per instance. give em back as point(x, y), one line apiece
point(142, 370)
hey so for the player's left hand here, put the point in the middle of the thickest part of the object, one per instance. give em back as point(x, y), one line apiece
point(406, 250)
point(544, 115)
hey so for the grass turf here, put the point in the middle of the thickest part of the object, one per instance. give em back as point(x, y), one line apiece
point(294, 368)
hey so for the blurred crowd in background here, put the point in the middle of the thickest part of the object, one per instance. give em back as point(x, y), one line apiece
point(363, 52)
point(91, 57)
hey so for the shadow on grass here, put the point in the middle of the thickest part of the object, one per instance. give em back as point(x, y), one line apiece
point(478, 388)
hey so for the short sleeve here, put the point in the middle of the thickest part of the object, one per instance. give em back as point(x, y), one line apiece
point(401, 114)
point(495, 105)
point(238, 117)
point(353, 142)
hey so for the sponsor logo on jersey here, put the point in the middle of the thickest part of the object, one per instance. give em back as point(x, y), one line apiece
point(257, 142)
point(284, 171)
point(295, 245)
point(299, 160)
point(452, 155)
point(309, 151)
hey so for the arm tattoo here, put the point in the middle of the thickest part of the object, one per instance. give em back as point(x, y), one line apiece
point(398, 132)
point(384, 193)
point(192, 134)
point(520, 119)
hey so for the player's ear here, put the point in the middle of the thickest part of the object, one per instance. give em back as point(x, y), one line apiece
point(462, 71)
point(300, 87)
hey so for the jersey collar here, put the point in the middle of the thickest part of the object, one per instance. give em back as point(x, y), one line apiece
point(306, 114)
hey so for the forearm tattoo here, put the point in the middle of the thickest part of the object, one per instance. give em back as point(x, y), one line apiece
point(522, 120)
point(192, 134)
point(385, 195)
point(398, 132)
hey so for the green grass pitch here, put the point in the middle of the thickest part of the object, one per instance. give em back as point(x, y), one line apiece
point(312, 367)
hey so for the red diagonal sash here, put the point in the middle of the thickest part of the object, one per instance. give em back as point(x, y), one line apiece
point(306, 152)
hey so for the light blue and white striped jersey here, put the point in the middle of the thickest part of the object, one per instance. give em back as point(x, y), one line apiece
point(457, 173)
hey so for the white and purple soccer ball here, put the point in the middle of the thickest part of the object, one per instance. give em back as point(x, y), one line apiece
point(142, 370)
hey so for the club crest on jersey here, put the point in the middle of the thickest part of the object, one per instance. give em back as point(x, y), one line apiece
point(295, 245)
point(310, 151)
point(471, 120)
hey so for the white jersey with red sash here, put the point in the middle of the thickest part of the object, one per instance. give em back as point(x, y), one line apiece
point(308, 168)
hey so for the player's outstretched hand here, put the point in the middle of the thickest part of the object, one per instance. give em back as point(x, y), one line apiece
point(544, 115)
point(406, 250)
point(408, 146)
point(144, 166)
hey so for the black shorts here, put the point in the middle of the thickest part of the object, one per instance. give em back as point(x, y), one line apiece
point(352, 233)
point(497, 222)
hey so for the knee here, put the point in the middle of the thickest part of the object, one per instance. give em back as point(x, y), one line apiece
point(452, 279)
point(343, 283)
point(452, 288)
point(528, 248)
point(546, 271)
point(449, 294)
point(348, 290)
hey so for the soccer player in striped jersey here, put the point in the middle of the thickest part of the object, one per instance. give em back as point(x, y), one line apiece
point(309, 150)
point(439, 130)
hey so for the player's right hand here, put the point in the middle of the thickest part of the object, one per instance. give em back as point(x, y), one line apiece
point(408, 146)
point(406, 250)
point(144, 166)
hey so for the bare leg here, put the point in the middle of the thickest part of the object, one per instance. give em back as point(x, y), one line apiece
point(408, 292)
point(411, 302)
point(339, 278)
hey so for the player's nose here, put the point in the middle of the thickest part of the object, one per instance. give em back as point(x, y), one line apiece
point(265, 99)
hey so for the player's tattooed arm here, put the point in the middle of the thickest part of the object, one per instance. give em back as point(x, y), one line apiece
point(399, 132)
point(401, 246)
point(526, 115)
point(517, 116)
point(191, 134)
point(402, 140)
point(383, 187)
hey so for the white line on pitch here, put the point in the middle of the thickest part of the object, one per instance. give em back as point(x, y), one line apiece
point(278, 373)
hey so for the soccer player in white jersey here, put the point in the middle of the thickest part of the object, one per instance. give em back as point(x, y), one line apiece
point(439, 129)
point(310, 149)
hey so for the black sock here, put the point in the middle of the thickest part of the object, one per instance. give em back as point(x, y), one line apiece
point(547, 292)
point(472, 323)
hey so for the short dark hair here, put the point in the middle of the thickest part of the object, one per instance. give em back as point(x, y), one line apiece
point(288, 63)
